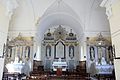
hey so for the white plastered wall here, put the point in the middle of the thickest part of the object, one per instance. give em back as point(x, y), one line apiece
point(115, 33)
point(4, 23)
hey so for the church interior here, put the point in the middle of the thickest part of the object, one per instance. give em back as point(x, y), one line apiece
point(59, 39)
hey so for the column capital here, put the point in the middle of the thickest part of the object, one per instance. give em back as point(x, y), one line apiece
point(11, 6)
point(108, 5)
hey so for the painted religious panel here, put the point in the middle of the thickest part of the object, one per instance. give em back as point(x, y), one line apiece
point(60, 50)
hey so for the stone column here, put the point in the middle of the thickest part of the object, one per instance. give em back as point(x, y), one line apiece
point(12, 54)
point(31, 57)
point(23, 54)
point(3, 37)
point(4, 21)
point(37, 48)
point(38, 53)
point(6, 6)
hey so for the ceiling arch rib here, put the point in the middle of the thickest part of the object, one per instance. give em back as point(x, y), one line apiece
point(59, 13)
point(53, 20)
point(60, 6)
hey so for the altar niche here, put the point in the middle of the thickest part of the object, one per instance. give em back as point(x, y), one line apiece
point(59, 50)
point(27, 51)
point(48, 51)
point(18, 55)
point(100, 55)
point(92, 53)
point(60, 44)
point(71, 51)
point(21, 47)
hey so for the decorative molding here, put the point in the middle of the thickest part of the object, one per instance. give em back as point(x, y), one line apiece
point(21, 41)
point(11, 6)
point(60, 33)
point(93, 33)
point(115, 33)
point(108, 5)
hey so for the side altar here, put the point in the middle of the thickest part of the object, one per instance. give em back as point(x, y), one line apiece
point(100, 56)
point(18, 67)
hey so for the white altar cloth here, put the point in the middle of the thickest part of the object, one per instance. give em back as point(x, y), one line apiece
point(62, 65)
point(15, 67)
point(104, 69)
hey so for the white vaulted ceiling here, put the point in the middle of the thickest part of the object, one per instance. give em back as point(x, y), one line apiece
point(59, 13)
point(84, 16)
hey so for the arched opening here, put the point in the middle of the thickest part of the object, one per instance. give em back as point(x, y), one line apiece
point(59, 13)
point(62, 46)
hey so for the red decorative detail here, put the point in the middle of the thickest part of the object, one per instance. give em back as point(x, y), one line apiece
point(59, 72)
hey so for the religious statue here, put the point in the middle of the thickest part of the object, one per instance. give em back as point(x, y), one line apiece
point(28, 51)
point(99, 53)
point(16, 59)
point(71, 51)
point(59, 60)
point(48, 51)
point(92, 53)
point(103, 61)
point(110, 48)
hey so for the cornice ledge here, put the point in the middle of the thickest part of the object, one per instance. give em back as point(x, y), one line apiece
point(108, 5)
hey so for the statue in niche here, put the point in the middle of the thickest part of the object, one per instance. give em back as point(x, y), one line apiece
point(110, 54)
point(99, 54)
point(103, 61)
point(8, 53)
point(92, 53)
point(27, 51)
point(17, 59)
point(11, 52)
point(71, 52)
point(48, 51)
point(59, 60)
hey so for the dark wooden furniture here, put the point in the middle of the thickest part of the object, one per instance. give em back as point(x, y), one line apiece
point(13, 76)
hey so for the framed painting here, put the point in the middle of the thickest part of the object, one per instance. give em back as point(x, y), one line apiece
point(59, 50)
